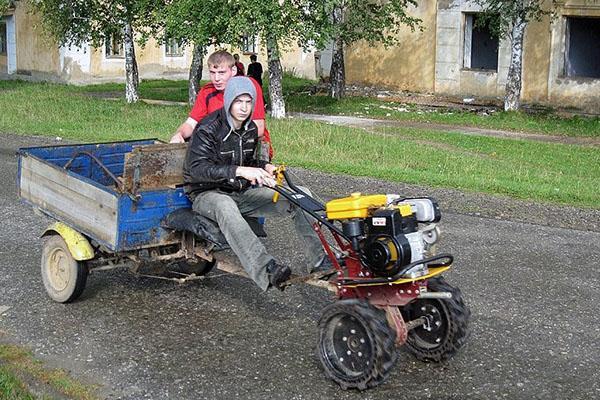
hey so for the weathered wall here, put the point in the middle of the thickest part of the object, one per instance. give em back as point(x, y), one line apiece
point(407, 66)
point(451, 77)
point(536, 61)
point(36, 53)
point(566, 91)
point(298, 62)
point(151, 59)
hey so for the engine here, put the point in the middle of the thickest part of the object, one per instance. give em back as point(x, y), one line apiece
point(389, 232)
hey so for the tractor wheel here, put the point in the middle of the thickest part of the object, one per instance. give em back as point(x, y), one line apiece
point(356, 344)
point(202, 267)
point(447, 328)
point(64, 277)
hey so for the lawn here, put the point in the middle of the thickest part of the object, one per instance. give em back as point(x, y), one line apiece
point(16, 362)
point(298, 99)
point(559, 173)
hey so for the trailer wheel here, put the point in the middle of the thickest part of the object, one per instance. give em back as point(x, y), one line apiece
point(356, 344)
point(447, 328)
point(64, 277)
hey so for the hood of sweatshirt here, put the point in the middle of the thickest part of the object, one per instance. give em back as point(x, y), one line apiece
point(237, 86)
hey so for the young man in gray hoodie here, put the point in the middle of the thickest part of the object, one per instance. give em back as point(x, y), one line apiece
point(225, 180)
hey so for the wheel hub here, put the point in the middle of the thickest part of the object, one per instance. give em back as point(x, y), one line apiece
point(351, 348)
point(58, 270)
point(434, 329)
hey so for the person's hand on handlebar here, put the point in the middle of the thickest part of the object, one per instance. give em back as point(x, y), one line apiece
point(257, 176)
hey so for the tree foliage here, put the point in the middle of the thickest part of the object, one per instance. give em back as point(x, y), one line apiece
point(502, 15)
point(195, 22)
point(344, 22)
point(373, 21)
point(509, 19)
point(74, 22)
point(4, 5)
point(77, 22)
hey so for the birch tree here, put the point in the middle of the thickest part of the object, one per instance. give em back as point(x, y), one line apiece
point(200, 24)
point(509, 19)
point(344, 22)
point(277, 23)
point(77, 22)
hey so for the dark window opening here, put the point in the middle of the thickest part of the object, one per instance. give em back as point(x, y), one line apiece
point(114, 46)
point(481, 46)
point(173, 48)
point(3, 44)
point(582, 58)
point(249, 44)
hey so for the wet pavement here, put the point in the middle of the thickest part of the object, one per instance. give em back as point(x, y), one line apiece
point(533, 289)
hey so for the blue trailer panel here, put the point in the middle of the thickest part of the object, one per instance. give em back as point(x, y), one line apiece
point(89, 194)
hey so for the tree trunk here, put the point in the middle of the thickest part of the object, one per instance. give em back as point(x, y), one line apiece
point(275, 78)
point(337, 74)
point(132, 80)
point(195, 73)
point(512, 99)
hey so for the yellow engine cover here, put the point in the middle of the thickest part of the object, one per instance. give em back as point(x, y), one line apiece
point(354, 206)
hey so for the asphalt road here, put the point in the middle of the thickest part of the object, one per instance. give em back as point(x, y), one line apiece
point(533, 289)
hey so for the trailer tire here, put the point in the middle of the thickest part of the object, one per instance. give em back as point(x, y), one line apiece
point(64, 277)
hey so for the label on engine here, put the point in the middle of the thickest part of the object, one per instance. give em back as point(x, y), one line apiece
point(378, 221)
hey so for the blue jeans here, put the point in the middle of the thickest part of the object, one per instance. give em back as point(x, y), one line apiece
point(228, 209)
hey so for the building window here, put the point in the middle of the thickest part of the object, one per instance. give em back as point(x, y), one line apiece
point(481, 46)
point(249, 44)
point(114, 46)
point(173, 48)
point(3, 44)
point(582, 56)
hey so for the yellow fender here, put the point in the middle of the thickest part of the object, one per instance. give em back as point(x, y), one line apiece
point(78, 245)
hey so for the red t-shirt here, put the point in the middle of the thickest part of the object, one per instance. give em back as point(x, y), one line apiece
point(210, 99)
point(240, 69)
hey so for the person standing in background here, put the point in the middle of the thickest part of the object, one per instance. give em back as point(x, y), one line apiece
point(255, 70)
point(239, 65)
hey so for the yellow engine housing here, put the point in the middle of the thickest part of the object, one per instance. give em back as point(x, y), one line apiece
point(354, 206)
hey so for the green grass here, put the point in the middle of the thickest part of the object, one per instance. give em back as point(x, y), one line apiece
point(61, 110)
point(522, 169)
point(560, 173)
point(511, 121)
point(16, 361)
point(160, 89)
point(11, 388)
point(298, 99)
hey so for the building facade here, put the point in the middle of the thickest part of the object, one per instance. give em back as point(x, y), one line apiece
point(454, 56)
point(451, 55)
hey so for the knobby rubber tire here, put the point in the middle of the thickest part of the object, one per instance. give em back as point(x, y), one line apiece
point(55, 251)
point(381, 339)
point(456, 315)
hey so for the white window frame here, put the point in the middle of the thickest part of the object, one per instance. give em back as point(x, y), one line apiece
point(249, 44)
point(109, 47)
point(173, 48)
point(468, 44)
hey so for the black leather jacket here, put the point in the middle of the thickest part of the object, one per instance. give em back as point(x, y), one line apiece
point(216, 151)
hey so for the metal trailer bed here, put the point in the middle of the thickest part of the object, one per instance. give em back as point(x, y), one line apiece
point(114, 193)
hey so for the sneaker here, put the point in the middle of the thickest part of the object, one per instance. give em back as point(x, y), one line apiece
point(278, 274)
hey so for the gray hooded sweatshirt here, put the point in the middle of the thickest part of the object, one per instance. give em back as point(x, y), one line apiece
point(217, 149)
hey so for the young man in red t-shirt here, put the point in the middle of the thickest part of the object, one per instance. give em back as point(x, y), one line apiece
point(221, 67)
point(239, 65)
